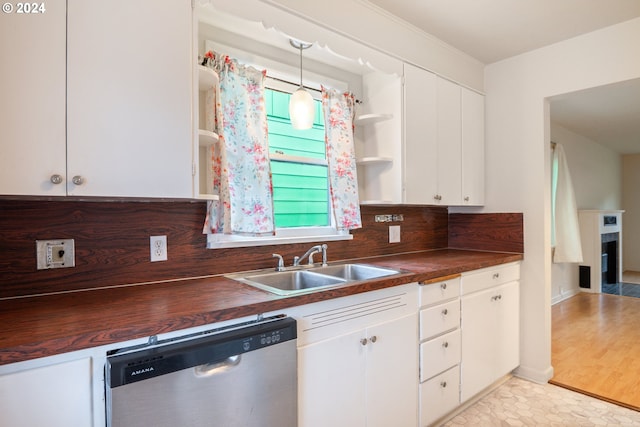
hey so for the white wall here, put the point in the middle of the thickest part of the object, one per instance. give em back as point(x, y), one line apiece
point(631, 217)
point(368, 25)
point(596, 173)
point(518, 153)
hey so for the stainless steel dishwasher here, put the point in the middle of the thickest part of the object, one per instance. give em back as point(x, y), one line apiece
point(244, 375)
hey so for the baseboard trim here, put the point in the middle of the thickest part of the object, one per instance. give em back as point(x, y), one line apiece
point(564, 296)
point(535, 375)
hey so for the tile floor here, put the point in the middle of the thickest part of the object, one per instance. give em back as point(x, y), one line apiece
point(523, 403)
point(624, 289)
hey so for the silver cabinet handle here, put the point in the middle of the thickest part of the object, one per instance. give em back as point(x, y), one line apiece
point(437, 197)
point(445, 312)
point(443, 384)
point(363, 341)
point(496, 275)
point(445, 344)
point(373, 339)
point(443, 286)
point(56, 179)
point(77, 180)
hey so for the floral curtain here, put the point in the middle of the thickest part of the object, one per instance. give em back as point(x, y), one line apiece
point(240, 169)
point(339, 111)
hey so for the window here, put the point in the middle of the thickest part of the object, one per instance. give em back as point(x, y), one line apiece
point(298, 166)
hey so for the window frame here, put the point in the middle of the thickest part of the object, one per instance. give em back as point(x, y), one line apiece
point(283, 82)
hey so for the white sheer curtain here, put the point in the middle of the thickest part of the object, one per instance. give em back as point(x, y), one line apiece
point(565, 228)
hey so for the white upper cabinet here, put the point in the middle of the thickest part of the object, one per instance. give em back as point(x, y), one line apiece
point(32, 104)
point(449, 143)
point(96, 100)
point(472, 148)
point(443, 141)
point(420, 138)
point(129, 88)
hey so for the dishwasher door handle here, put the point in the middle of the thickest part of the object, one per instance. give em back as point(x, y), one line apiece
point(209, 369)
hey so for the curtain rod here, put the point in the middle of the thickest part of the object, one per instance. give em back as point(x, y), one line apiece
point(304, 86)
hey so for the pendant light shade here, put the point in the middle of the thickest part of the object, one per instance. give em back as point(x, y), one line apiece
point(301, 109)
point(301, 105)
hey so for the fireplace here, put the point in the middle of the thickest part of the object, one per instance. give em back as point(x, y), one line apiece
point(601, 235)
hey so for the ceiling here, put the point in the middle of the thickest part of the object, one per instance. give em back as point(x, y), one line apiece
point(492, 30)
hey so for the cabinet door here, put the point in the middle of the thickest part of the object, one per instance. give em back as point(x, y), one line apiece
point(392, 373)
point(490, 336)
point(129, 98)
point(472, 148)
point(32, 101)
point(449, 142)
point(52, 396)
point(508, 328)
point(331, 382)
point(420, 136)
point(479, 341)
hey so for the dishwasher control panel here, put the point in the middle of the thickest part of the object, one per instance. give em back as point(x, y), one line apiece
point(165, 358)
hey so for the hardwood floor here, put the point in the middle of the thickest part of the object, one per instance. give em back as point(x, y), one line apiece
point(596, 347)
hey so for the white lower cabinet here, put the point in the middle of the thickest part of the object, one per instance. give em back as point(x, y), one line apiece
point(490, 327)
point(439, 349)
point(357, 363)
point(439, 395)
point(58, 395)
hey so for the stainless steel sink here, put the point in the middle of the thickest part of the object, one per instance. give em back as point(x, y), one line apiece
point(308, 279)
point(355, 271)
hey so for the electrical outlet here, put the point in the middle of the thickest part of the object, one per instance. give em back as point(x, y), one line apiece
point(158, 245)
point(55, 254)
point(394, 234)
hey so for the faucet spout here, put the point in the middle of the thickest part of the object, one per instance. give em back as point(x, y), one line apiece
point(313, 250)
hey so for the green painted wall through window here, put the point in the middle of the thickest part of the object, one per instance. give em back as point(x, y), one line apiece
point(300, 190)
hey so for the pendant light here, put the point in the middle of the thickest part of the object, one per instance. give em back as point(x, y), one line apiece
point(301, 105)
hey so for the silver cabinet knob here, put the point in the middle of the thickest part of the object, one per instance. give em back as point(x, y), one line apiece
point(445, 312)
point(466, 199)
point(373, 339)
point(445, 344)
point(443, 384)
point(56, 179)
point(496, 275)
point(77, 180)
point(363, 341)
point(443, 286)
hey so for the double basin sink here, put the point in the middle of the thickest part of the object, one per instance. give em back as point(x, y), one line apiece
point(306, 279)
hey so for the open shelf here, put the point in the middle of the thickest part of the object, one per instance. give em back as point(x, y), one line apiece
point(207, 78)
point(374, 160)
point(206, 137)
point(209, 197)
point(367, 119)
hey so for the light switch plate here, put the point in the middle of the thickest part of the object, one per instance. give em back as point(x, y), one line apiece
point(55, 254)
point(394, 234)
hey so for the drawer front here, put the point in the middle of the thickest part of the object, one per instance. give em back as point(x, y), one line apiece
point(439, 396)
point(489, 277)
point(439, 354)
point(438, 292)
point(439, 319)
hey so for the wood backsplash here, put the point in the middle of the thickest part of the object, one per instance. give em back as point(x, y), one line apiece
point(112, 242)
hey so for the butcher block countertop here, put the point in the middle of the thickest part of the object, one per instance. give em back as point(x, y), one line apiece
point(42, 326)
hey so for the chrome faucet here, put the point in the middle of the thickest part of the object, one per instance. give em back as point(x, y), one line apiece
point(313, 250)
point(280, 266)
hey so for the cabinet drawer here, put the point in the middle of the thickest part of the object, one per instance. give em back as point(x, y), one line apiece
point(489, 277)
point(439, 354)
point(438, 292)
point(439, 319)
point(439, 396)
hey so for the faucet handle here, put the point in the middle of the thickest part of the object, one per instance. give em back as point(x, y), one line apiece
point(280, 266)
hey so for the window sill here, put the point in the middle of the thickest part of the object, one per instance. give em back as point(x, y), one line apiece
point(219, 241)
